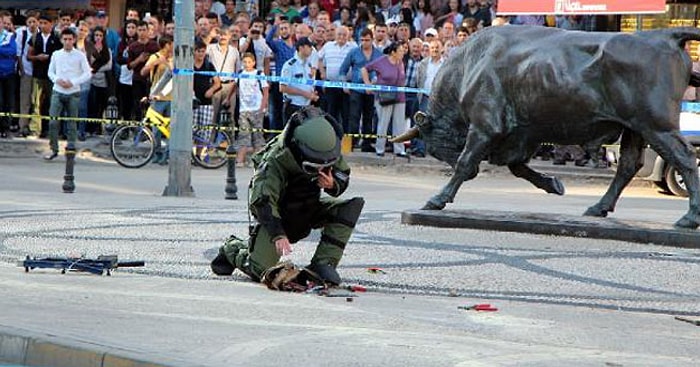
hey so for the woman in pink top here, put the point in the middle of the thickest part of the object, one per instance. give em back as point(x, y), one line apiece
point(391, 106)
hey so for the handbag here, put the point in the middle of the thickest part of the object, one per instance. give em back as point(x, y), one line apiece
point(387, 98)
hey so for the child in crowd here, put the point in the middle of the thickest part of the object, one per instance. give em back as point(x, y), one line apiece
point(204, 88)
point(253, 106)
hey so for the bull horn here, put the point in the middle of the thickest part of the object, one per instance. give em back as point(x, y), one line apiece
point(408, 135)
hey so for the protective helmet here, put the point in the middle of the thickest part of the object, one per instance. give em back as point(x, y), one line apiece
point(316, 140)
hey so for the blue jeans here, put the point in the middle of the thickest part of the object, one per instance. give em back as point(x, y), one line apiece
point(338, 104)
point(83, 106)
point(61, 103)
point(362, 107)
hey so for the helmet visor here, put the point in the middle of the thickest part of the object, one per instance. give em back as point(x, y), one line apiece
point(312, 168)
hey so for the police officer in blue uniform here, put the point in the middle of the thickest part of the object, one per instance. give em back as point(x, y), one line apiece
point(297, 96)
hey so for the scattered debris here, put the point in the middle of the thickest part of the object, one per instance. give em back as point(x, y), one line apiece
point(287, 277)
point(355, 288)
point(334, 292)
point(479, 307)
point(660, 254)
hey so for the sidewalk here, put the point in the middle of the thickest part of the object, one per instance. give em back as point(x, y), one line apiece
point(562, 301)
point(128, 320)
point(97, 148)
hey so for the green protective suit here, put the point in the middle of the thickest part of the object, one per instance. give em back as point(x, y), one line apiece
point(286, 201)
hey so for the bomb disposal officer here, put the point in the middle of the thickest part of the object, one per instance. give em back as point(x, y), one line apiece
point(286, 200)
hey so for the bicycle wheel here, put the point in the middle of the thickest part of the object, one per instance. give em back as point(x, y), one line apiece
point(209, 148)
point(132, 146)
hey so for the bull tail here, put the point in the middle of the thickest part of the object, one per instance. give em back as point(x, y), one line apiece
point(679, 35)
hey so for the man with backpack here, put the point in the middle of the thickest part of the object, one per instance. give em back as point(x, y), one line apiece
point(225, 59)
point(45, 43)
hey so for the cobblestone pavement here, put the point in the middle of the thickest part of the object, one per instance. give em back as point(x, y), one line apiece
point(178, 237)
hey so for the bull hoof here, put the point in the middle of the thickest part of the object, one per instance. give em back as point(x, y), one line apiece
point(686, 222)
point(432, 206)
point(595, 211)
point(554, 186)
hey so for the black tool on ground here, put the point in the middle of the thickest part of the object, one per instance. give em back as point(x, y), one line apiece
point(688, 320)
point(103, 264)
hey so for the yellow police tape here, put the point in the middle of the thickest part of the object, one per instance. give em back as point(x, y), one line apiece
point(148, 123)
point(194, 127)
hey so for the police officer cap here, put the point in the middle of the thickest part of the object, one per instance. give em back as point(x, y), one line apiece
point(303, 41)
point(317, 141)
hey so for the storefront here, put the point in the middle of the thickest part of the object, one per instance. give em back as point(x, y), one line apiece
point(580, 7)
point(625, 15)
point(677, 14)
point(618, 15)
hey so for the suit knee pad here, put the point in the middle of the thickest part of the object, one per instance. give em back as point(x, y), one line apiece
point(349, 213)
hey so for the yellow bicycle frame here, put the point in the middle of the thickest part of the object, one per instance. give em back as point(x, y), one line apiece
point(158, 120)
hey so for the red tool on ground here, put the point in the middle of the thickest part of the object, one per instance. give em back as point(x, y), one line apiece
point(479, 307)
point(355, 288)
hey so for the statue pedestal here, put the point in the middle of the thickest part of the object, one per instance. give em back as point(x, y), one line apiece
point(556, 224)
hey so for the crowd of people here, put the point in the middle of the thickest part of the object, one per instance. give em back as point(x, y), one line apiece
point(400, 44)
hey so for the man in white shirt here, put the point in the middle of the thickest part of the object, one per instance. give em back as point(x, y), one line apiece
point(427, 70)
point(331, 57)
point(225, 59)
point(68, 69)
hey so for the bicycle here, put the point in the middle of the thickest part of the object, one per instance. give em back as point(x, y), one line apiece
point(134, 146)
point(209, 145)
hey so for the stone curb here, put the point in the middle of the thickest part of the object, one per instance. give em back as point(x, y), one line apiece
point(558, 225)
point(20, 348)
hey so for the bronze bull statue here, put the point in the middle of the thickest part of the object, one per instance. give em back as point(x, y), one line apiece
point(509, 89)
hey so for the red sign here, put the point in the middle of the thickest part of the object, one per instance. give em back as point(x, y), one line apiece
point(515, 7)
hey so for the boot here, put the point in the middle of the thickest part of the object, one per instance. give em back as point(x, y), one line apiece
point(326, 272)
point(220, 265)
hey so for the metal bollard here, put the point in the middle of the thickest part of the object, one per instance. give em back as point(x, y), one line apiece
point(68, 178)
point(111, 113)
point(231, 189)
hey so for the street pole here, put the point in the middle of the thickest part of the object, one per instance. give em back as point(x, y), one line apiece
point(69, 178)
point(179, 169)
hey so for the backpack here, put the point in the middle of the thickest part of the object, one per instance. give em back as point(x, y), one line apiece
point(25, 34)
